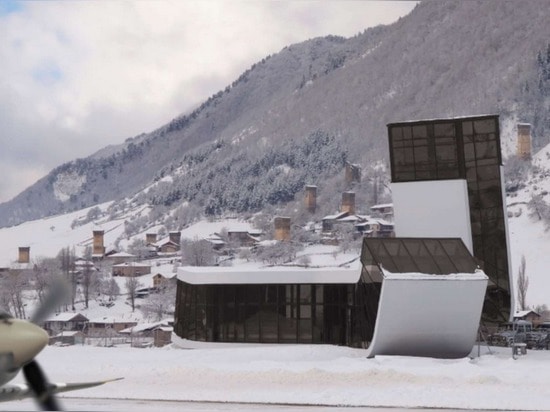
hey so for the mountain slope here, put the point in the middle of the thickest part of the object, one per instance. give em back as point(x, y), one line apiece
point(443, 59)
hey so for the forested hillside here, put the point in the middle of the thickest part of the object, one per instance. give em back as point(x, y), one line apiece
point(295, 117)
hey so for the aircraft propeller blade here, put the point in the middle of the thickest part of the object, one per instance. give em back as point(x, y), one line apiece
point(38, 383)
point(58, 292)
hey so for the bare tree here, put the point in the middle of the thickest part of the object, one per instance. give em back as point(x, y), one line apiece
point(132, 284)
point(160, 303)
point(12, 286)
point(91, 281)
point(109, 287)
point(67, 259)
point(139, 248)
point(43, 272)
point(522, 285)
point(197, 252)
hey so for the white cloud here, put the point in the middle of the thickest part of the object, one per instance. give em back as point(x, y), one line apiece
point(77, 76)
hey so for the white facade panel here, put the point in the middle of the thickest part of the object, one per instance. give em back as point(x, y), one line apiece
point(216, 275)
point(435, 208)
point(422, 315)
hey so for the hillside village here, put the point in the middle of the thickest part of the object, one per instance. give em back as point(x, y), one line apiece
point(131, 285)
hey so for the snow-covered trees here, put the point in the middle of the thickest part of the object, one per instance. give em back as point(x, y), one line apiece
point(197, 252)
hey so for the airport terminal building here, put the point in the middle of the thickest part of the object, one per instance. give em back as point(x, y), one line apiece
point(421, 293)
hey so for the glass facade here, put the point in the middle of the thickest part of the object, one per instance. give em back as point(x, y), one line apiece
point(463, 148)
point(340, 314)
point(268, 313)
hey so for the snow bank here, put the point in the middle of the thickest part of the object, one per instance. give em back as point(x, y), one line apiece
point(307, 374)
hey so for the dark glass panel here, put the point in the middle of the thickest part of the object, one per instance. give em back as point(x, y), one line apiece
point(489, 173)
point(402, 157)
point(305, 294)
point(269, 320)
point(442, 260)
point(407, 132)
point(467, 128)
point(396, 133)
point(485, 126)
point(422, 257)
point(419, 131)
point(469, 151)
point(421, 155)
point(444, 153)
point(459, 255)
point(444, 129)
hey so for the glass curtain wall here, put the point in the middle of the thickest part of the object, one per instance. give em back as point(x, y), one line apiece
point(463, 148)
point(294, 313)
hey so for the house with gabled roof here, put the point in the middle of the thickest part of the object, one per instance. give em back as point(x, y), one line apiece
point(131, 269)
point(65, 321)
point(529, 315)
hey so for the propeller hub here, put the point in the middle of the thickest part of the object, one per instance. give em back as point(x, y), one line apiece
point(25, 340)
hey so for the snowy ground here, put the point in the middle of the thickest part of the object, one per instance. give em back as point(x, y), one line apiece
point(307, 375)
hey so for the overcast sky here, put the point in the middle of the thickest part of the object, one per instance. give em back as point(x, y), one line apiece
point(76, 76)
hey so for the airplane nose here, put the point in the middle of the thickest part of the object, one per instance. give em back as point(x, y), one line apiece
point(27, 340)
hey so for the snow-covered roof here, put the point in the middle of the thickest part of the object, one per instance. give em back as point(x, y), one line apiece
point(165, 241)
point(382, 206)
point(67, 333)
point(165, 328)
point(478, 275)
point(123, 254)
point(132, 264)
point(213, 275)
point(336, 216)
point(111, 319)
point(64, 317)
point(523, 313)
point(144, 327)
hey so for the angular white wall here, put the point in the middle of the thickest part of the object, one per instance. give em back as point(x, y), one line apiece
point(435, 208)
point(428, 315)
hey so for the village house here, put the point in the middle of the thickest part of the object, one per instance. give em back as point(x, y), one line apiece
point(167, 246)
point(107, 326)
point(365, 226)
point(66, 321)
point(142, 335)
point(121, 257)
point(384, 210)
point(160, 279)
point(243, 237)
point(131, 269)
point(528, 315)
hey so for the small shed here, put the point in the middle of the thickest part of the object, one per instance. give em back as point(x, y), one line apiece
point(144, 334)
point(69, 337)
point(162, 335)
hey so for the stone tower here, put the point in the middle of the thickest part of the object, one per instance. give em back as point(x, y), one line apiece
point(98, 248)
point(348, 202)
point(310, 199)
point(282, 228)
point(524, 141)
point(24, 254)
